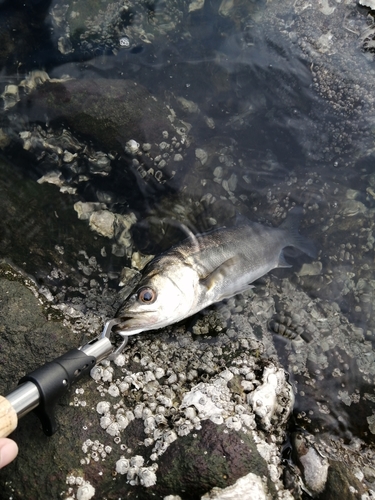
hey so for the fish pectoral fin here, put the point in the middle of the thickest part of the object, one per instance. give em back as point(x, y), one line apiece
point(229, 293)
point(218, 275)
point(282, 262)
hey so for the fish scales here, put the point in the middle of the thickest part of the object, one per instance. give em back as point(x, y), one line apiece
point(206, 269)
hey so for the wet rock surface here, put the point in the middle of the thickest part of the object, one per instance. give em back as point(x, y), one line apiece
point(136, 161)
point(149, 415)
point(141, 408)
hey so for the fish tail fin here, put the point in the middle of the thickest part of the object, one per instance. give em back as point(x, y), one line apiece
point(294, 238)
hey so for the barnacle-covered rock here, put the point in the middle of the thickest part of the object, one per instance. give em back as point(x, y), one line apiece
point(241, 489)
point(273, 398)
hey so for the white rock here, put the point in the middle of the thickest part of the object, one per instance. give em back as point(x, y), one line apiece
point(326, 8)
point(314, 465)
point(159, 372)
point(10, 96)
point(53, 177)
point(232, 182)
point(201, 155)
point(102, 222)
point(84, 210)
point(227, 375)
point(206, 408)
point(249, 487)
point(264, 398)
point(312, 269)
point(219, 172)
point(368, 3)
point(196, 5)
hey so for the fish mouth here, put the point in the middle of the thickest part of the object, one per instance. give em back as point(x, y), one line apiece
point(131, 325)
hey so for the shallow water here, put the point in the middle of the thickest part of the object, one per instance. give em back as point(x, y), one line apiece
point(276, 107)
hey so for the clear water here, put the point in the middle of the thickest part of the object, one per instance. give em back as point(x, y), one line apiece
point(285, 113)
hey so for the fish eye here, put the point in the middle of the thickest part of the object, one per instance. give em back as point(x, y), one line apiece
point(146, 295)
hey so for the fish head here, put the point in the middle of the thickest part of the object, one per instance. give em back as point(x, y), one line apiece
point(166, 294)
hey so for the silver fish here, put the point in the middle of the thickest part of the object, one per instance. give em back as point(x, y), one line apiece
point(208, 268)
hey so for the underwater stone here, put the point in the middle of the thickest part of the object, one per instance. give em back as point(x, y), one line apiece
point(10, 96)
point(201, 155)
point(312, 269)
point(102, 222)
point(84, 210)
point(314, 466)
point(232, 182)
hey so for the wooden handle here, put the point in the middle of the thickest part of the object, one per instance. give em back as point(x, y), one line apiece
point(8, 417)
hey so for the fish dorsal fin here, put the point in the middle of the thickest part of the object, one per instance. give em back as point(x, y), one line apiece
point(282, 262)
point(184, 228)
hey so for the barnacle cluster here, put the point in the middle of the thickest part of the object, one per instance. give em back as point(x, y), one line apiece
point(135, 471)
point(174, 402)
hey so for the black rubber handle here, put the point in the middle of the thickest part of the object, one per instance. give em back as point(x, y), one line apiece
point(53, 379)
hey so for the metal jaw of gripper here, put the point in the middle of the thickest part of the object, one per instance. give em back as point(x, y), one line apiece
point(108, 333)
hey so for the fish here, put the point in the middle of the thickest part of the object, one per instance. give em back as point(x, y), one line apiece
point(208, 268)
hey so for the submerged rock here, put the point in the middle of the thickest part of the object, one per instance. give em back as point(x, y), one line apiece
point(112, 112)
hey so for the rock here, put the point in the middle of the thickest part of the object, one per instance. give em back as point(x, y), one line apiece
point(368, 3)
point(115, 113)
point(102, 222)
point(249, 487)
point(200, 454)
point(312, 269)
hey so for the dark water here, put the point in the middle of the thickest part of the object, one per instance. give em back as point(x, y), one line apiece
point(275, 109)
